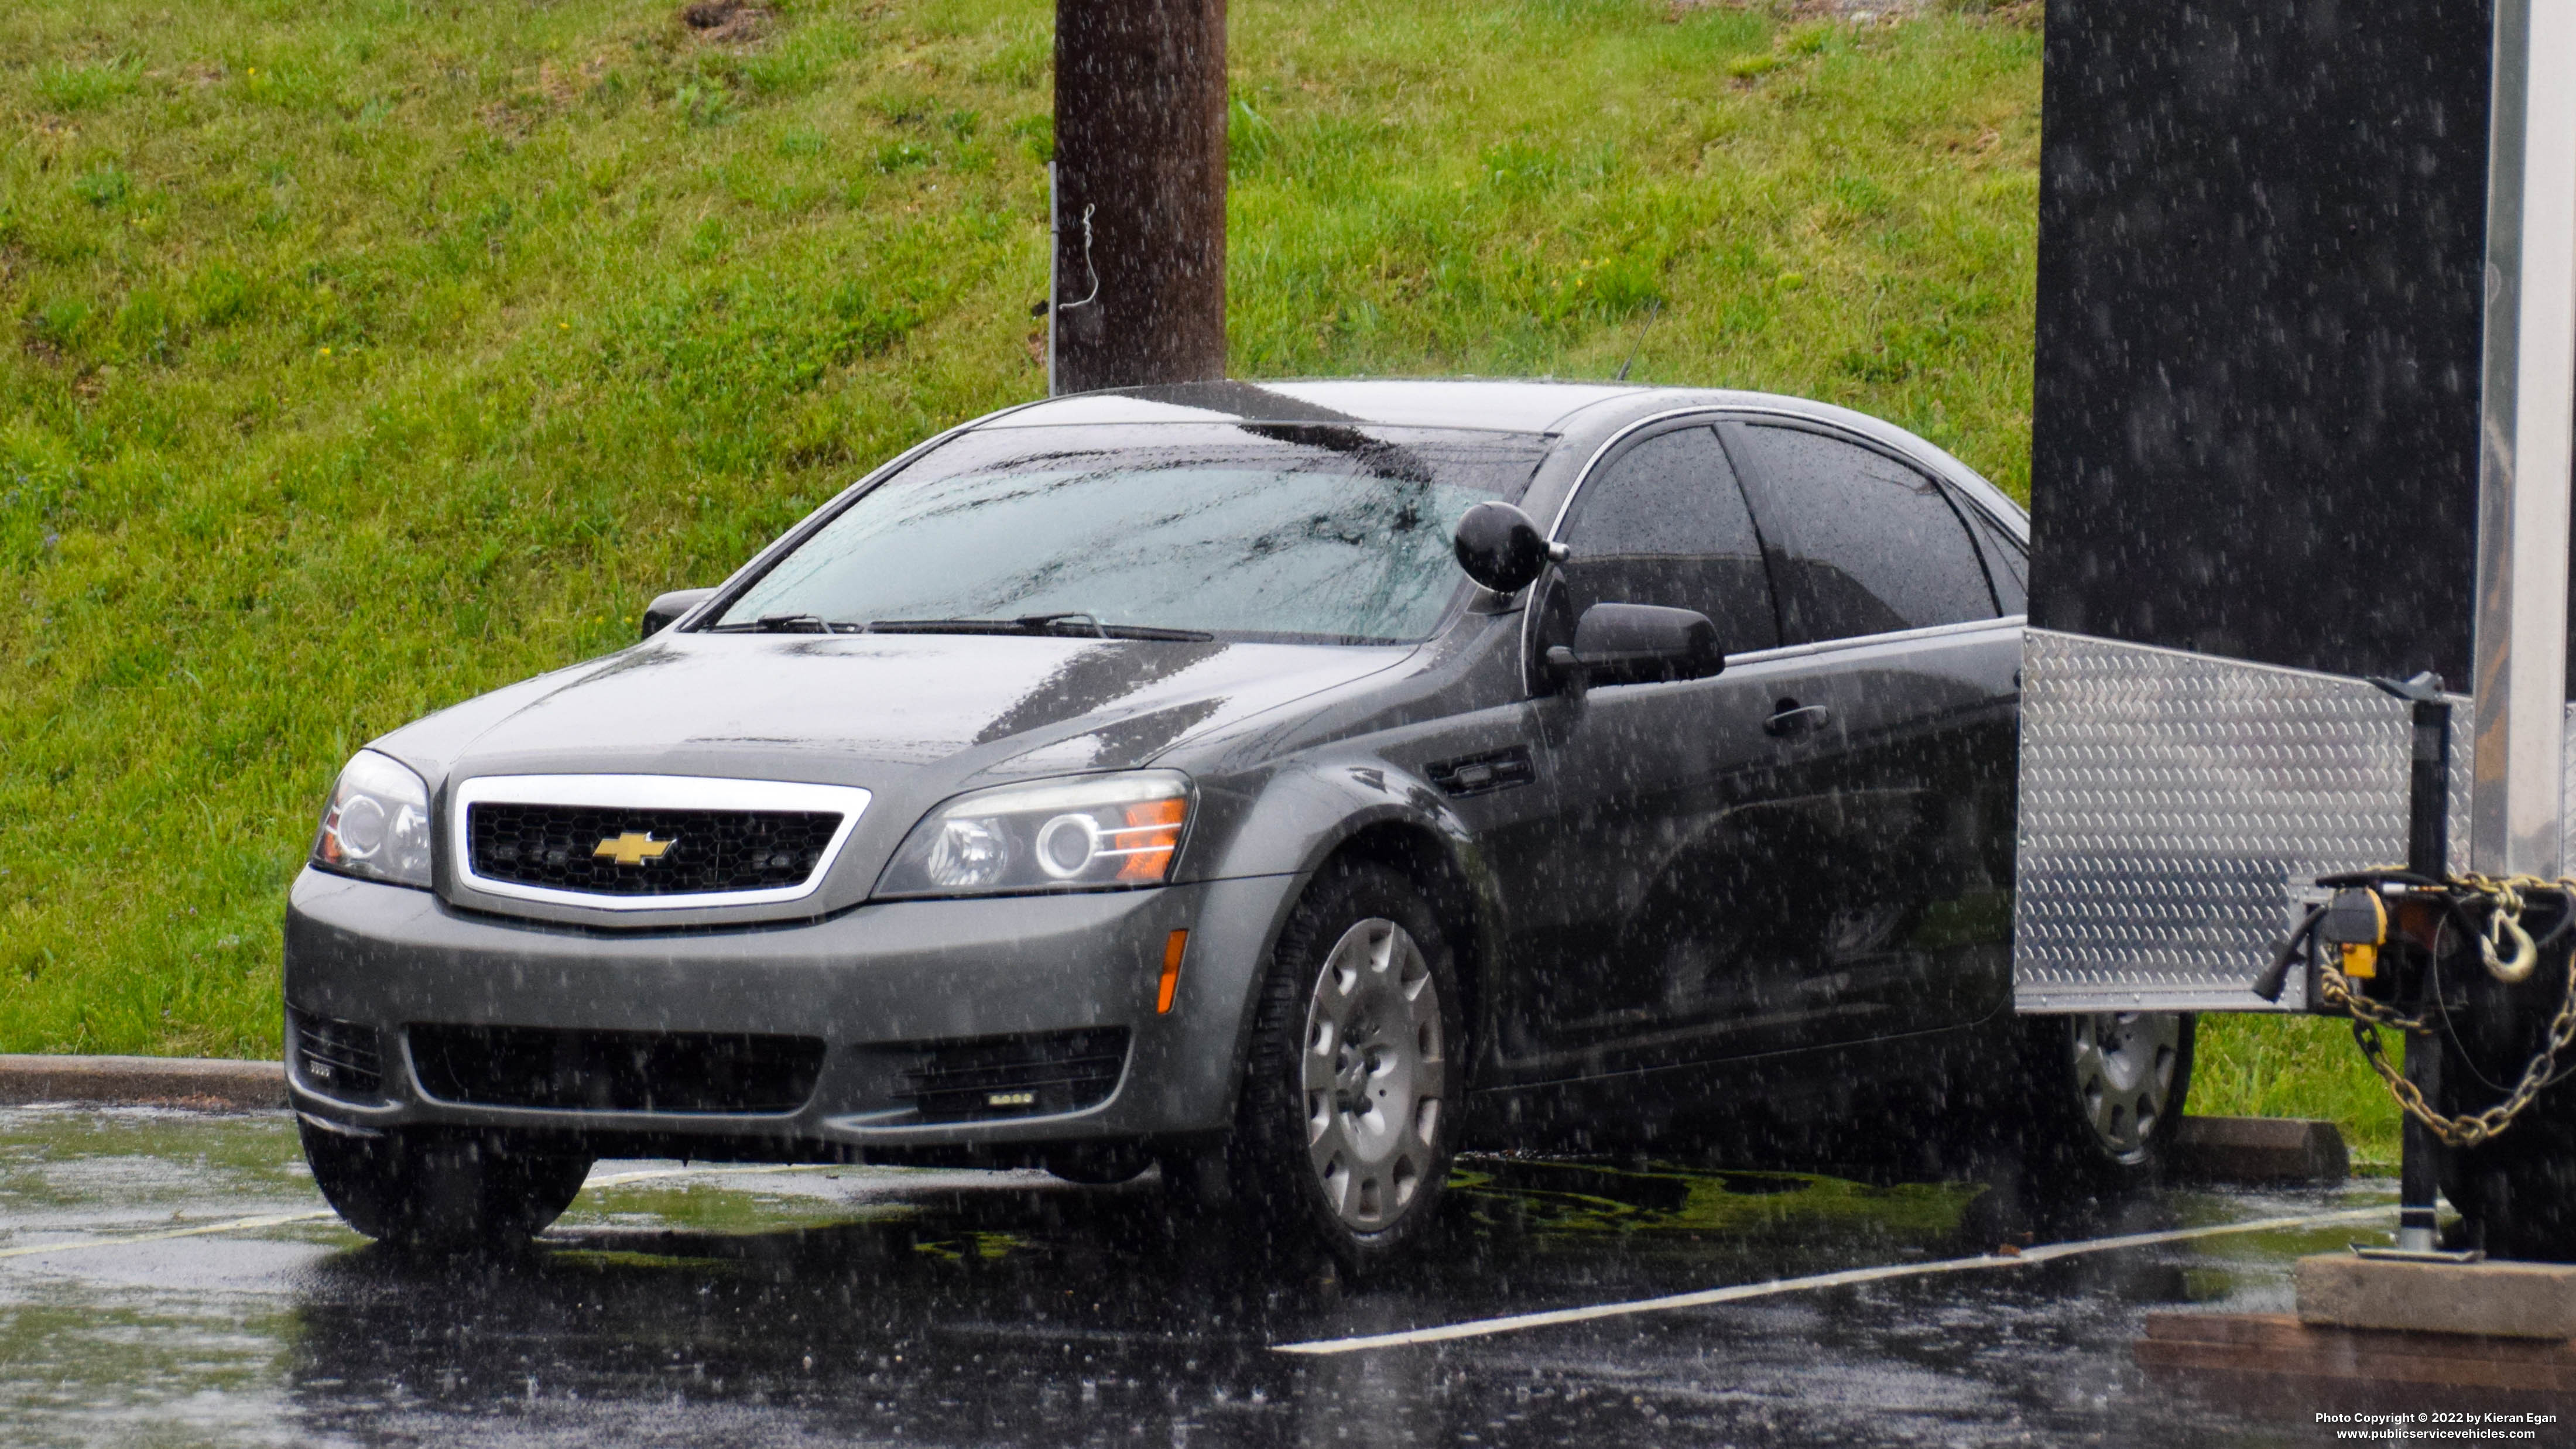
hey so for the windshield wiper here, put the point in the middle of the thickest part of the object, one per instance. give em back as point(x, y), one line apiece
point(787, 624)
point(1052, 625)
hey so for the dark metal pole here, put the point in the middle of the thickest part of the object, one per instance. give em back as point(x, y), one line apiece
point(2428, 852)
point(1140, 112)
point(2428, 788)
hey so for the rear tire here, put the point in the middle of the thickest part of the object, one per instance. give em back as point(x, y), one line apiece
point(2106, 1093)
point(1357, 1066)
point(443, 1193)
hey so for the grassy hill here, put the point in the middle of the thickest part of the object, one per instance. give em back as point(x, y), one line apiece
point(357, 356)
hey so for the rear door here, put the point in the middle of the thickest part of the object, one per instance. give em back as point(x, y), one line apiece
point(1898, 916)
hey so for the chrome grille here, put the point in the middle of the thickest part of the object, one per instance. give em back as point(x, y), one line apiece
point(647, 842)
point(665, 852)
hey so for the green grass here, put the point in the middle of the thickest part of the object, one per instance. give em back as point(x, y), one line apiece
point(2304, 1066)
point(359, 356)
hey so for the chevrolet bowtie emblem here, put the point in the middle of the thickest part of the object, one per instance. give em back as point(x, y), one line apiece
point(633, 849)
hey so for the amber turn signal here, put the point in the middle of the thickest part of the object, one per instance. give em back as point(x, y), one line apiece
point(1153, 832)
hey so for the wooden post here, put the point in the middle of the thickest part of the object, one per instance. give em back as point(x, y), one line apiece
point(1140, 112)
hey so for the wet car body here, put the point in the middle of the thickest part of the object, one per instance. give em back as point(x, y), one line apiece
point(1671, 903)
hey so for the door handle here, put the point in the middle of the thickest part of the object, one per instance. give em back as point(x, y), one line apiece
point(1794, 718)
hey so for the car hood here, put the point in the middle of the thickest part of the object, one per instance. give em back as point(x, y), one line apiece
point(876, 710)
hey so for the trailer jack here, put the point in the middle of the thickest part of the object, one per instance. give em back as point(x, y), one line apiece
point(2397, 948)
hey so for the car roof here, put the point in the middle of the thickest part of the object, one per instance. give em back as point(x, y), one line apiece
point(1585, 415)
point(1497, 405)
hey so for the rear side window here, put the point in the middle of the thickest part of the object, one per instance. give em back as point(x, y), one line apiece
point(1860, 543)
point(2007, 563)
point(1665, 523)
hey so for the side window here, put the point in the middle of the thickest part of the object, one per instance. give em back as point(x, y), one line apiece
point(1860, 543)
point(2007, 563)
point(1664, 523)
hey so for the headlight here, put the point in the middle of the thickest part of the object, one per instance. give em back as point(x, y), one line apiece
point(378, 823)
point(1080, 834)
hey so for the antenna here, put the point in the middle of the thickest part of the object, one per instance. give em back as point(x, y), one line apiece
point(1651, 314)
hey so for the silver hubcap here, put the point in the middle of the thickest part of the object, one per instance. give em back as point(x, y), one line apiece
point(1375, 1074)
point(2124, 1071)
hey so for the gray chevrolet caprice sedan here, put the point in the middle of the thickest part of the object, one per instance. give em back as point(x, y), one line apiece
point(1285, 783)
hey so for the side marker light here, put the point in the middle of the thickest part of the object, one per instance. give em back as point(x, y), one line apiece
point(1173, 946)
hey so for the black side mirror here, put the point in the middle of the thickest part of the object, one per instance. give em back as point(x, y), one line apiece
point(666, 609)
point(1500, 548)
point(1640, 644)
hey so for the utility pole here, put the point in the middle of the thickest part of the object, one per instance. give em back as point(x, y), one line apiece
point(1140, 112)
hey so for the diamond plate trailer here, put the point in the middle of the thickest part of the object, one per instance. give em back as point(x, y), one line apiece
point(2306, 361)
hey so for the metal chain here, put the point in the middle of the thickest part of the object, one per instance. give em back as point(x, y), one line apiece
point(2369, 1016)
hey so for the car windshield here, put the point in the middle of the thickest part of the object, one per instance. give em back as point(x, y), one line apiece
point(1254, 531)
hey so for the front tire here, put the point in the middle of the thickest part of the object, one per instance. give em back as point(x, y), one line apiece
point(1349, 1113)
point(1097, 1166)
point(442, 1193)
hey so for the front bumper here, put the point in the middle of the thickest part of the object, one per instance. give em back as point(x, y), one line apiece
point(874, 984)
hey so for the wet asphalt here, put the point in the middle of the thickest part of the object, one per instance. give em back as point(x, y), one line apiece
point(788, 1307)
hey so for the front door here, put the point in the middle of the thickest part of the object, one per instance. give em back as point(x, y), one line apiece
point(1645, 900)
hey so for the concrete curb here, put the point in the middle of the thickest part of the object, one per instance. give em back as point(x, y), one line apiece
point(2277, 1150)
point(202, 1084)
point(2491, 1299)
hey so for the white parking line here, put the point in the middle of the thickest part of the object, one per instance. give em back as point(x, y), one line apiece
point(237, 1225)
point(277, 1220)
point(1484, 1327)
